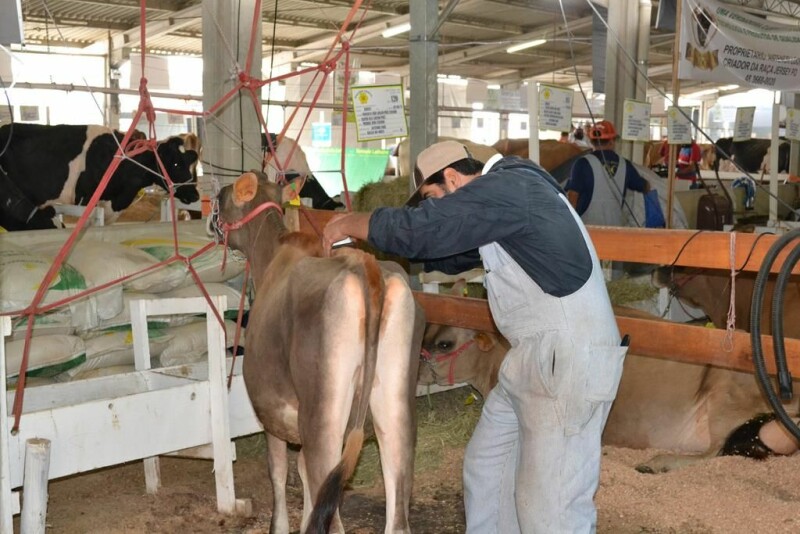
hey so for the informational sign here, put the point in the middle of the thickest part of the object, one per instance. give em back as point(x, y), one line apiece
point(743, 127)
point(380, 112)
point(321, 134)
point(793, 124)
point(679, 128)
point(555, 107)
point(723, 43)
point(636, 120)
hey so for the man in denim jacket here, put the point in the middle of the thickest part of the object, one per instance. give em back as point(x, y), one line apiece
point(533, 463)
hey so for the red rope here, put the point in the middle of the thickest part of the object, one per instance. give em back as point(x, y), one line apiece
point(451, 356)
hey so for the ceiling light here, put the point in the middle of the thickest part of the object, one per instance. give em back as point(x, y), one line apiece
point(396, 30)
point(523, 46)
point(493, 86)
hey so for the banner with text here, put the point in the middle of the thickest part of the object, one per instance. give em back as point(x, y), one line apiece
point(380, 113)
point(720, 43)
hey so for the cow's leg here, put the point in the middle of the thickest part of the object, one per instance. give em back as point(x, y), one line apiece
point(326, 400)
point(307, 503)
point(392, 401)
point(278, 469)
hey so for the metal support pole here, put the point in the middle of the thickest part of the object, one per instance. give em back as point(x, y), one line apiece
point(620, 77)
point(424, 64)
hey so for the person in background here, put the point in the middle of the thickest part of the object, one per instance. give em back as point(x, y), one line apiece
point(533, 462)
point(689, 157)
point(564, 137)
point(599, 180)
point(579, 138)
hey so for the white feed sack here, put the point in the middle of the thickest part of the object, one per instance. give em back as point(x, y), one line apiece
point(214, 290)
point(189, 343)
point(102, 262)
point(22, 272)
point(115, 347)
point(207, 265)
point(48, 356)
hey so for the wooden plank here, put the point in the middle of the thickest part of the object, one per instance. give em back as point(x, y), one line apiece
point(691, 248)
point(701, 345)
point(656, 338)
point(463, 312)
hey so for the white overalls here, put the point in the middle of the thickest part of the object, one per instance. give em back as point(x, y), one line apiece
point(605, 209)
point(533, 463)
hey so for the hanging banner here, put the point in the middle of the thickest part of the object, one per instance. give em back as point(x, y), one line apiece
point(743, 125)
point(555, 107)
point(679, 128)
point(793, 124)
point(636, 120)
point(720, 43)
point(379, 111)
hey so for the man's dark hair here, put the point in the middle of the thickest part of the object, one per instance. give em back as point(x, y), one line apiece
point(467, 166)
point(578, 133)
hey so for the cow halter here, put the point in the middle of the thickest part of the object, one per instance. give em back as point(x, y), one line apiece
point(428, 358)
point(224, 228)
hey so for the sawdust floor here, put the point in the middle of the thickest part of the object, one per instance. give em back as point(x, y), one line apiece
point(722, 495)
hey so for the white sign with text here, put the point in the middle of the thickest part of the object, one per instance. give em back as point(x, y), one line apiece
point(555, 107)
point(380, 112)
point(636, 120)
point(679, 127)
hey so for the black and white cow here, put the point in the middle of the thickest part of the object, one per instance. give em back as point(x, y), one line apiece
point(750, 153)
point(17, 212)
point(66, 163)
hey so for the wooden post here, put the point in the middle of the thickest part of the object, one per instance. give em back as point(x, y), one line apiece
point(34, 490)
point(676, 90)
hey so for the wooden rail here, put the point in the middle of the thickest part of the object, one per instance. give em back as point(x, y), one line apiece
point(656, 338)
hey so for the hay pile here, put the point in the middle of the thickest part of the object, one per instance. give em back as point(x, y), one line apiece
point(393, 193)
point(628, 290)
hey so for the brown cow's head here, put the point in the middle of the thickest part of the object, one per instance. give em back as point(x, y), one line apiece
point(236, 202)
point(452, 355)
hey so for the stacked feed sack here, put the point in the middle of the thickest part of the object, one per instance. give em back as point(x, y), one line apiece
point(94, 332)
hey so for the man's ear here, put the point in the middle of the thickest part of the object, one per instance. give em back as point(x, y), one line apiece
point(451, 177)
point(244, 189)
point(484, 341)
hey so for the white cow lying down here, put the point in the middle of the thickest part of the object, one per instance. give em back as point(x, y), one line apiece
point(686, 408)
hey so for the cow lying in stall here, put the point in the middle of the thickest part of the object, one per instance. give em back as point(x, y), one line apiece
point(692, 409)
point(66, 163)
point(327, 338)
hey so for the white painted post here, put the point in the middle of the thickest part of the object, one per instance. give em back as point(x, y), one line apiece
point(533, 120)
point(34, 489)
point(6, 510)
point(141, 358)
point(218, 395)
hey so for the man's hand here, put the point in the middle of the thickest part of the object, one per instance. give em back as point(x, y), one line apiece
point(355, 225)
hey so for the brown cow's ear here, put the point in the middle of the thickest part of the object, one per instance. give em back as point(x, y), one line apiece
point(244, 189)
point(484, 341)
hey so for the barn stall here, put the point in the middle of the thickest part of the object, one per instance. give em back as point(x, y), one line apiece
point(58, 412)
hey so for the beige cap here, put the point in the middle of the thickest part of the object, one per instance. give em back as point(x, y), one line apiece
point(435, 158)
point(439, 155)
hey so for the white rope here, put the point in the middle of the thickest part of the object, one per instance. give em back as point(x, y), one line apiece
point(731, 324)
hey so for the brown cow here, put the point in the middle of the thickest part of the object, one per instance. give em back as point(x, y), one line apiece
point(479, 152)
point(327, 338)
point(552, 153)
point(661, 404)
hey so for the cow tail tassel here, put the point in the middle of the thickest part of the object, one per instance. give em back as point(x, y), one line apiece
point(331, 491)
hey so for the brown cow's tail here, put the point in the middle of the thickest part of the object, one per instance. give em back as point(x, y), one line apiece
point(330, 493)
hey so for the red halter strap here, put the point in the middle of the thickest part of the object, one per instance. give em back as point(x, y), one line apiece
point(452, 355)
